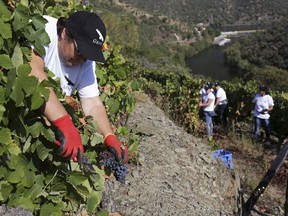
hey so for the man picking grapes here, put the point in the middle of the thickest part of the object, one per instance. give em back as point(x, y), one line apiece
point(75, 44)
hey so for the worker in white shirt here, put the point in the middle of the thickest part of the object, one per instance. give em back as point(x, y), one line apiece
point(221, 104)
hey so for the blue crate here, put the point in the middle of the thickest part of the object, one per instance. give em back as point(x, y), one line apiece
point(225, 156)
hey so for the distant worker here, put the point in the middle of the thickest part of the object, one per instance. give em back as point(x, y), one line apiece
point(221, 104)
point(203, 95)
point(203, 92)
point(263, 105)
point(209, 113)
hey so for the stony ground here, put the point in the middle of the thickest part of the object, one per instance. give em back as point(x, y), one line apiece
point(177, 175)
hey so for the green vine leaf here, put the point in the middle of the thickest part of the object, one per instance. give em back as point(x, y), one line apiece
point(103, 213)
point(6, 31)
point(28, 83)
point(17, 57)
point(17, 94)
point(29, 179)
point(39, 22)
point(77, 178)
point(82, 190)
point(14, 149)
point(96, 139)
point(3, 172)
point(21, 17)
point(5, 190)
point(51, 210)
point(35, 191)
point(48, 134)
point(113, 105)
point(42, 152)
point(93, 201)
point(36, 100)
point(27, 144)
point(5, 136)
point(5, 61)
point(25, 203)
point(35, 129)
point(15, 176)
point(6, 14)
point(2, 95)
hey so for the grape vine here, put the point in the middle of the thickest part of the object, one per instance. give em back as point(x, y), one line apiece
point(32, 174)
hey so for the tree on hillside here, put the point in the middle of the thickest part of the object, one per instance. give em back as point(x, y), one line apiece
point(274, 77)
point(122, 30)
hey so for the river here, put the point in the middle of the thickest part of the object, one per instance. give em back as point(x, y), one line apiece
point(210, 63)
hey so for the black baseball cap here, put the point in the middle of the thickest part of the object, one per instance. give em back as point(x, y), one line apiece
point(89, 32)
point(208, 86)
point(217, 84)
point(263, 88)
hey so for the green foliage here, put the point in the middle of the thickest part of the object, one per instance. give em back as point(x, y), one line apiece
point(262, 57)
point(219, 11)
point(178, 93)
point(117, 88)
point(32, 174)
point(122, 30)
point(269, 47)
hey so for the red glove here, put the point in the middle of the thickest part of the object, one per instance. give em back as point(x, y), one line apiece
point(68, 138)
point(119, 150)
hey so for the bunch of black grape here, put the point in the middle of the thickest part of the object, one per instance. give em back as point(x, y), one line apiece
point(120, 170)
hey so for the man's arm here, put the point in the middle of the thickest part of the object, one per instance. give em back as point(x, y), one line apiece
point(52, 108)
point(68, 138)
point(94, 107)
point(270, 108)
point(206, 104)
point(217, 101)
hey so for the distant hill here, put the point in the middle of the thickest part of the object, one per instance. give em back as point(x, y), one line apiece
point(226, 12)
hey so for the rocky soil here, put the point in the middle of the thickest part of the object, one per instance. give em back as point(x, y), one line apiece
point(177, 174)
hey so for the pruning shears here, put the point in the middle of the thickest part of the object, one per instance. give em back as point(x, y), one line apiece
point(82, 160)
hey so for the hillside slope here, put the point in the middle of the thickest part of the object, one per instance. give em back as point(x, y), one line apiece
point(177, 175)
point(221, 11)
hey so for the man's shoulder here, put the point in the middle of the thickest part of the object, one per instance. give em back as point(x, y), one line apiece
point(221, 89)
point(210, 95)
point(269, 97)
point(51, 21)
point(50, 18)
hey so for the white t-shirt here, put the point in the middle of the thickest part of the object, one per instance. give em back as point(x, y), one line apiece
point(211, 106)
point(203, 93)
point(261, 103)
point(222, 95)
point(81, 77)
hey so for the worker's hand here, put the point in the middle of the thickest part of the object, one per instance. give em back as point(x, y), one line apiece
point(119, 150)
point(68, 138)
point(264, 111)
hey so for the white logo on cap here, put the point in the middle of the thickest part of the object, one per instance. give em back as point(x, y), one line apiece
point(100, 35)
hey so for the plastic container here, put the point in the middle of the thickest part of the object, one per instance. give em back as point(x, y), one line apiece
point(225, 156)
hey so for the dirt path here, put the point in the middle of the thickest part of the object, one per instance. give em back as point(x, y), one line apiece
point(177, 175)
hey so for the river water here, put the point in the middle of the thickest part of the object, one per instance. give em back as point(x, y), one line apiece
point(211, 63)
